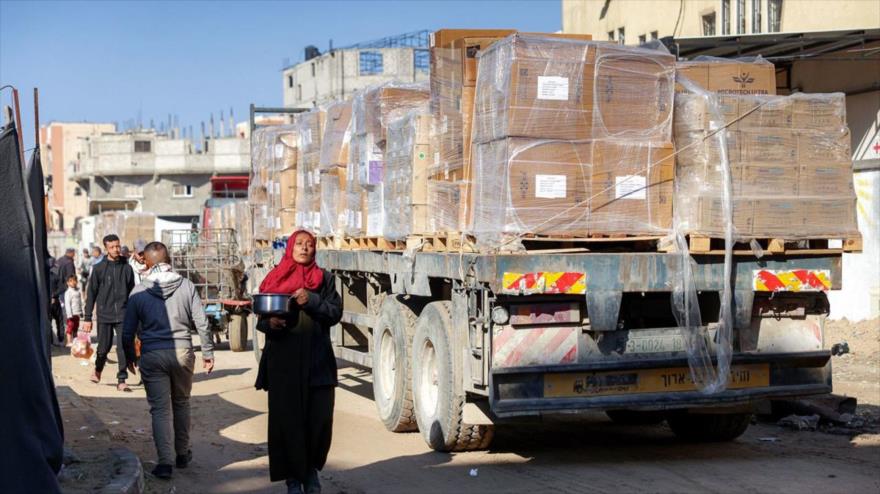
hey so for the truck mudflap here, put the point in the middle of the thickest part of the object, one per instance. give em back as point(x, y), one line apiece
point(654, 383)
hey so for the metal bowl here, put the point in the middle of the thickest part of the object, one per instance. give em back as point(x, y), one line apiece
point(271, 304)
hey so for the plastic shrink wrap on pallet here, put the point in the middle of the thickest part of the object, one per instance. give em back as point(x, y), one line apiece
point(373, 108)
point(555, 88)
point(571, 138)
point(310, 127)
point(272, 185)
point(129, 226)
point(335, 147)
point(790, 165)
point(408, 159)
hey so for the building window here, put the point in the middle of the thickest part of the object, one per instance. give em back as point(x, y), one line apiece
point(313, 69)
point(610, 35)
point(643, 38)
point(370, 62)
point(421, 60)
point(290, 81)
point(740, 16)
point(621, 36)
point(725, 17)
point(774, 16)
point(134, 191)
point(142, 146)
point(709, 24)
point(299, 92)
point(756, 16)
point(654, 36)
point(181, 190)
point(77, 191)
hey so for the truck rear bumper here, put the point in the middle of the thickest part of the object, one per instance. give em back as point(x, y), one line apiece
point(527, 391)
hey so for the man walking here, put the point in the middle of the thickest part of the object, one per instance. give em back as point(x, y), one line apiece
point(84, 265)
point(109, 285)
point(162, 311)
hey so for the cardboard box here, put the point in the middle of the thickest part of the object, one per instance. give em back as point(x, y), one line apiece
point(287, 221)
point(768, 146)
point(819, 111)
point(830, 217)
point(287, 183)
point(631, 188)
point(730, 77)
point(779, 217)
point(531, 186)
point(337, 135)
point(707, 217)
point(767, 180)
point(447, 207)
point(445, 37)
point(824, 147)
point(333, 201)
point(377, 106)
point(310, 130)
point(765, 113)
point(833, 180)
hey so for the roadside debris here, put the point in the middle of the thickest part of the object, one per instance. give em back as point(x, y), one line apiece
point(800, 422)
point(474, 472)
point(841, 348)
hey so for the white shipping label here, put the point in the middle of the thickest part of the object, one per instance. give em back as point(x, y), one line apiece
point(553, 87)
point(630, 187)
point(550, 186)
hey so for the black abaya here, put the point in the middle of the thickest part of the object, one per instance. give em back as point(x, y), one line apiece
point(298, 370)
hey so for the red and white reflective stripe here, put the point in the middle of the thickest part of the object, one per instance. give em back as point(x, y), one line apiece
point(533, 346)
point(791, 280)
point(553, 282)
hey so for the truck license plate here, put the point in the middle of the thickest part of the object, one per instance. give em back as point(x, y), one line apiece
point(646, 381)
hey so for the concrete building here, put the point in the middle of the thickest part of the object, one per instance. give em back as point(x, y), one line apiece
point(62, 144)
point(151, 172)
point(334, 75)
point(633, 22)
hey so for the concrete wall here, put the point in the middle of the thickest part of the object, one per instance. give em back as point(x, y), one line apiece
point(337, 75)
point(107, 193)
point(639, 17)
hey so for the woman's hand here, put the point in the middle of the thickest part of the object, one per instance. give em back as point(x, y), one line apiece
point(301, 296)
point(277, 322)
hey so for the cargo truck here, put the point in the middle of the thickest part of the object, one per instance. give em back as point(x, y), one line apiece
point(458, 342)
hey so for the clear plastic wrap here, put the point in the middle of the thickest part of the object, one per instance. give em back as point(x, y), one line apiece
point(333, 202)
point(272, 185)
point(544, 87)
point(790, 165)
point(408, 159)
point(337, 135)
point(571, 188)
point(446, 201)
point(375, 106)
point(308, 173)
point(129, 226)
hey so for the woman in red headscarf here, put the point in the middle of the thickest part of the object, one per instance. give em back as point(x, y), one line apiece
point(298, 367)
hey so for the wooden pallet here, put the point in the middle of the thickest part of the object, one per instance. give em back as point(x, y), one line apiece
point(361, 243)
point(442, 242)
point(699, 244)
point(260, 243)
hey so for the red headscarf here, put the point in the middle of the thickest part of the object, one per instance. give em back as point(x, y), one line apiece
point(289, 276)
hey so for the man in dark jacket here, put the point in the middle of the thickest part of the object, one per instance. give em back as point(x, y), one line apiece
point(109, 285)
point(56, 313)
point(162, 311)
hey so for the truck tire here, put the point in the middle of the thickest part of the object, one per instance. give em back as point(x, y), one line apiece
point(438, 405)
point(259, 339)
point(238, 332)
point(709, 427)
point(635, 417)
point(392, 380)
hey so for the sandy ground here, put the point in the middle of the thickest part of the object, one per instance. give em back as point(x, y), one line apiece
point(578, 454)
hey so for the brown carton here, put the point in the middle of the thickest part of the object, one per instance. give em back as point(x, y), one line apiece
point(337, 135)
point(830, 217)
point(445, 37)
point(708, 216)
point(730, 77)
point(819, 111)
point(768, 146)
point(833, 180)
point(287, 184)
point(631, 188)
point(768, 180)
point(779, 217)
point(824, 147)
point(765, 113)
point(531, 186)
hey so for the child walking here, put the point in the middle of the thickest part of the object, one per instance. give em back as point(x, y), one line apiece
point(73, 308)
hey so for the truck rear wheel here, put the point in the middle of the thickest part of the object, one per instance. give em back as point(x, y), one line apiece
point(709, 427)
point(438, 405)
point(238, 332)
point(392, 380)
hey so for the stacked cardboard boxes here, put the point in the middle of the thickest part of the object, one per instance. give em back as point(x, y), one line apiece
point(408, 160)
point(333, 163)
point(129, 226)
point(373, 109)
point(272, 185)
point(307, 212)
point(571, 137)
point(789, 162)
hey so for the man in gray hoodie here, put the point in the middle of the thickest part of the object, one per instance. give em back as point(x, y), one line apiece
point(161, 311)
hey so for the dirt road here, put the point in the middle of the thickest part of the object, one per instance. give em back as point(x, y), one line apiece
point(582, 454)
